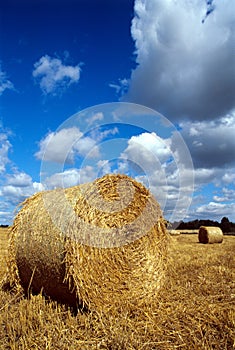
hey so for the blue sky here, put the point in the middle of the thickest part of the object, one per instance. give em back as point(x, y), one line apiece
point(58, 59)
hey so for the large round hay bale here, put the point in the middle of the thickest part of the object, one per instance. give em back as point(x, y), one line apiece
point(210, 234)
point(4, 241)
point(100, 244)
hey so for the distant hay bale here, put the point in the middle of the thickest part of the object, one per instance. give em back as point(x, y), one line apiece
point(210, 234)
point(174, 232)
point(189, 232)
point(99, 244)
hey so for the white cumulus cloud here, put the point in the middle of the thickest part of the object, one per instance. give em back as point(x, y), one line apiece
point(147, 150)
point(53, 76)
point(227, 195)
point(185, 66)
point(5, 146)
point(163, 171)
point(212, 143)
point(71, 177)
point(19, 179)
point(5, 83)
point(16, 188)
point(62, 146)
point(215, 210)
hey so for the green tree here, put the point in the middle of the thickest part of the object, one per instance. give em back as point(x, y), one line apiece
point(225, 225)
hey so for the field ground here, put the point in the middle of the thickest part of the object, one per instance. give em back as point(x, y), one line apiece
point(195, 310)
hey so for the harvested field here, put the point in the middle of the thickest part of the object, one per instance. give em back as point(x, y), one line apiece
point(195, 310)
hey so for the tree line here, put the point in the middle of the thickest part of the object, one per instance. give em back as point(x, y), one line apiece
point(225, 225)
